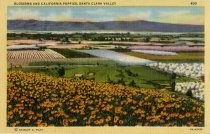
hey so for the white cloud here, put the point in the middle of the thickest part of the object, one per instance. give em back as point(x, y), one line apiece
point(136, 15)
point(23, 13)
point(62, 16)
point(140, 15)
point(26, 14)
point(108, 15)
point(181, 17)
point(174, 13)
point(100, 14)
point(99, 11)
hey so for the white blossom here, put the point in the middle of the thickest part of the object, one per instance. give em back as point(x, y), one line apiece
point(197, 89)
point(193, 70)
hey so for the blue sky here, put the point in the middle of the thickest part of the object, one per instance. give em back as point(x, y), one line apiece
point(182, 15)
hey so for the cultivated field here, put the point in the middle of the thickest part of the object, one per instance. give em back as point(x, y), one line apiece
point(179, 57)
point(153, 52)
point(23, 57)
point(30, 42)
point(70, 46)
point(183, 48)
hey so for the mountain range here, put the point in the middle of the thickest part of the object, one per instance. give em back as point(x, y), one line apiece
point(139, 25)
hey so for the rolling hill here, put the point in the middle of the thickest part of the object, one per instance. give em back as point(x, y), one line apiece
point(139, 25)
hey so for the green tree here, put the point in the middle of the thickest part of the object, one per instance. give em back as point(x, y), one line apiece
point(132, 84)
point(109, 79)
point(61, 71)
point(147, 39)
point(121, 81)
point(189, 93)
point(173, 81)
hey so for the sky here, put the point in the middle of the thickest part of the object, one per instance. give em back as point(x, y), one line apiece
point(177, 15)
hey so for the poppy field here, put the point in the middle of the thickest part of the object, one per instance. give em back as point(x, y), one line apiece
point(35, 99)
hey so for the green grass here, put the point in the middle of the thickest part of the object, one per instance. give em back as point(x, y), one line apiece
point(142, 76)
point(145, 76)
point(24, 44)
point(85, 61)
point(100, 72)
point(180, 57)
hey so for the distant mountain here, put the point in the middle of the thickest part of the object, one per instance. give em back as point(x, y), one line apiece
point(108, 25)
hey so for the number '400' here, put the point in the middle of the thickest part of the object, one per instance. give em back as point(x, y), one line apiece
point(193, 3)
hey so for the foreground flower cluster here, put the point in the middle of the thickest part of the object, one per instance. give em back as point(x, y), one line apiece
point(197, 89)
point(38, 100)
point(187, 69)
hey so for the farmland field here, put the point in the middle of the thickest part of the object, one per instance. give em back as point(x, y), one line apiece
point(30, 42)
point(72, 53)
point(174, 48)
point(73, 61)
point(23, 57)
point(153, 52)
point(180, 57)
point(69, 46)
